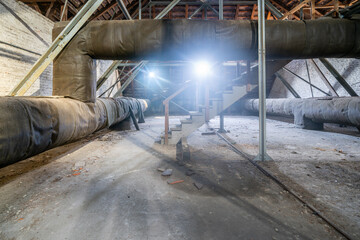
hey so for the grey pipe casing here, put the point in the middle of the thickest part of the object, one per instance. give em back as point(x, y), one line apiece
point(74, 68)
point(31, 125)
point(344, 110)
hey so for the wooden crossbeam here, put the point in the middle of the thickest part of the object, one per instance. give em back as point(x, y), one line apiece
point(253, 12)
point(49, 9)
point(104, 11)
point(37, 1)
point(295, 9)
point(36, 6)
point(282, 8)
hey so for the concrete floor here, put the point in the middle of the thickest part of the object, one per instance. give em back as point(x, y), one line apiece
point(107, 187)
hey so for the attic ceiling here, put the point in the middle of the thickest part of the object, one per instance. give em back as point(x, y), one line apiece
point(109, 9)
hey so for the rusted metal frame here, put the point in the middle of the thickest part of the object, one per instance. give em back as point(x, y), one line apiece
point(325, 80)
point(338, 77)
point(287, 85)
point(319, 89)
point(166, 104)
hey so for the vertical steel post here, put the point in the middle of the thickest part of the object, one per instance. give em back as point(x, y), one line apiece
point(207, 103)
point(166, 124)
point(139, 9)
point(221, 9)
point(262, 83)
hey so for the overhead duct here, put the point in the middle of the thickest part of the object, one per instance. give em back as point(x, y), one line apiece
point(312, 112)
point(74, 70)
point(31, 125)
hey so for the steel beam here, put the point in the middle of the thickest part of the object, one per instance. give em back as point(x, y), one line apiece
point(58, 44)
point(221, 9)
point(319, 89)
point(325, 80)
point(273, 9)
point(288, 86)
point(124, 9)
point(338, 77)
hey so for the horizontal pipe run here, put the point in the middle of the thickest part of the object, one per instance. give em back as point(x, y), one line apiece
point(31, 125)
point(308, 112)
point(184, 39)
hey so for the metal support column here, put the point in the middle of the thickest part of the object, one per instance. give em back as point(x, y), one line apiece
point(262, 83)
point(221, 9)
point(139, 9)
point(124, 9)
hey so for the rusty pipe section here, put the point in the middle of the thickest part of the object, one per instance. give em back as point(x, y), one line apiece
point(31, 125)
point(185, 39)
point(307, 112)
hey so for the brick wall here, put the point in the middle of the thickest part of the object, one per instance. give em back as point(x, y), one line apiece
point(348, 68)
point(24, 35)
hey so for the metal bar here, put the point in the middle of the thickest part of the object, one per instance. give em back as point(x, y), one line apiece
point(338, 77)
point(63, 11)
point(130, 79)
point(197, 11)
point(288, 86)
point(166, 123)
point(319, 89)
point(325, 80)
point(139, 10)
point(221, 9)
point(212, 9)
point(262, 82)
point(273, 9)
point(207, 103)
point(309, 77)
point(167, 9)
point(132, 115)
point(55, 48)
point(124, 9)
point(107, 73)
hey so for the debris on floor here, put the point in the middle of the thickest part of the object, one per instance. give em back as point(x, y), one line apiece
point(167, 172)
point(189, 172)
point(208, 133)
point(160, 169)
point(198, 185)
point(175, 182)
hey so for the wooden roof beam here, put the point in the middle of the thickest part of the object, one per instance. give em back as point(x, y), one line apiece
point(295, 9)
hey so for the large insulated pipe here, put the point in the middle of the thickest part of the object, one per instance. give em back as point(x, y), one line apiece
point(308, 112)
point(31, 125)
point(193, 39)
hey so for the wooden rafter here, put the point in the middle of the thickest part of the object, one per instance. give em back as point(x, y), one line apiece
point(253, 12)
point(49, 9)
point(295, 9)
point(282, 8)
point(97, 15)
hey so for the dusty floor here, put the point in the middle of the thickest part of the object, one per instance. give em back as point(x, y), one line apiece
point(107, 187)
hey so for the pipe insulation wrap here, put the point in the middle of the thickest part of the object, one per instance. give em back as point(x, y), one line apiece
point(184, 39)
point(31, 125)
point(344, 110)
